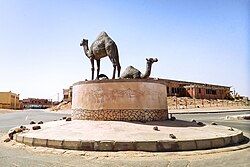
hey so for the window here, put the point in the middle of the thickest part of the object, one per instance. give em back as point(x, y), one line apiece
point(177, 90)
point(210, 91)
point(199, 90)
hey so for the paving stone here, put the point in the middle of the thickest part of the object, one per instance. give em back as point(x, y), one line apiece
point(19, 138)
point(40, 142)
point(124, 146)
point(55, 143)
point(87, 145)
point(105, 145)
point(216, 143)
point(28, 141)
point(167, 145)
point(186, 145)
point(227, 140)
point(203, 144)
point(146, 145)
point(74, 145)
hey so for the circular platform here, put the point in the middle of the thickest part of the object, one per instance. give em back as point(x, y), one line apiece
point(119, 100)
point(125, 136)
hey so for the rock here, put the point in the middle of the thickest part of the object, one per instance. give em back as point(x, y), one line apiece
point(64, 117)
point(7, 140)
point(40, 122)
point(14, 131)
point(172, 136)
point(213, 123)
point(23, 127)
point(156, 128)
point(247, 117)
point(200, 123)
point(18, 130)
point(32, 122)
point(193, 120)
point(36, 127)
point(172, 118)
point(68, 119)
point(11, 135)
point(102, 77)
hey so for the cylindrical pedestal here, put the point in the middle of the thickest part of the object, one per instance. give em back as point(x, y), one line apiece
point(123, 100)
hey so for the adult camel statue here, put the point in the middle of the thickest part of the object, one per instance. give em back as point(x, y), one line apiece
point(103, 46)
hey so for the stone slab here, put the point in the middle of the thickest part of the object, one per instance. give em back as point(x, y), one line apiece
point(146, 145)
point(217, 143)
point(187, 145)
point(124, 146)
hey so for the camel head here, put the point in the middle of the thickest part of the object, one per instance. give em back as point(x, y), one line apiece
point(84, 42)
point(151, 60)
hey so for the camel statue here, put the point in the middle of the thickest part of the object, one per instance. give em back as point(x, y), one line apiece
point(133, 73)
point(103, 46)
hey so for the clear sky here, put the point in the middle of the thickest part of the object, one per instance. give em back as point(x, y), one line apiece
point(194, 40)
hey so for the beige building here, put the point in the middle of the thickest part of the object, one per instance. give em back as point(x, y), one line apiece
point(67, 94)
point(9, 100)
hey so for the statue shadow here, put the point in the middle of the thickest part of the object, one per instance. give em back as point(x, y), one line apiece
point(169, 123)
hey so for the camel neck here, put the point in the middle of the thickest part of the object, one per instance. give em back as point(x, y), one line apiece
point(86, 50)
point(148, 70)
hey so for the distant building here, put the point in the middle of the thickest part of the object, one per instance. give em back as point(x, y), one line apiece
point(67, 94)
point(36, 103)
point(195, 90)
point(182, 89)
point(9, 100)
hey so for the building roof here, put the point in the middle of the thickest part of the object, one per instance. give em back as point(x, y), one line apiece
point(186, 83)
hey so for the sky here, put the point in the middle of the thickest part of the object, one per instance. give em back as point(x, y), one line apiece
point(194, 40)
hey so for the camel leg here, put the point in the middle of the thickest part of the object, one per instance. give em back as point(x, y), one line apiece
point(98, 69)
point(114, 71)
point(118, 69)
point(92, 68)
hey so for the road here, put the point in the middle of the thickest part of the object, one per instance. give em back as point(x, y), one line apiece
point(12, 156)
point(219, 118)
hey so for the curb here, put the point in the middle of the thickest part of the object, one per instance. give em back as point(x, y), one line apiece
point(205, 112)
point(151, 146)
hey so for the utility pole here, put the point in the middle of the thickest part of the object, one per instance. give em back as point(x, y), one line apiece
point(58, 97)
point(51, 102)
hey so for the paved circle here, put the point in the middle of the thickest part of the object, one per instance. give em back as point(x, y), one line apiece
point(123, 136)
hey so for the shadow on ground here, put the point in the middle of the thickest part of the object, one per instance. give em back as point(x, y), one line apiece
point(169, 123)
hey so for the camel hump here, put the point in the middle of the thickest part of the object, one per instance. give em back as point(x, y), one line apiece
point(102, 35)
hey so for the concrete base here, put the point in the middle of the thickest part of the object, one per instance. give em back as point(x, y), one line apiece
point(119, 100)
point(125, 136)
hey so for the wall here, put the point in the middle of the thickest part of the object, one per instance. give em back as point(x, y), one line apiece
point(190, 103)
point(125, 100)
point(9, 100)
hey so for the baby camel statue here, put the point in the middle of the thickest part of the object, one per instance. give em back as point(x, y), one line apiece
point(133, 73)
